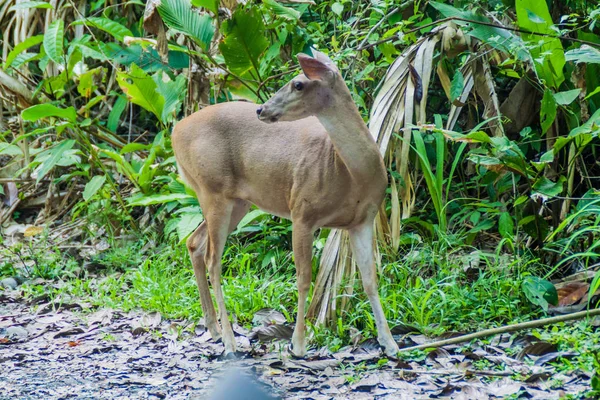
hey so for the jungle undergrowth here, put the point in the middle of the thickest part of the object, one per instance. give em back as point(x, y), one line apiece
point(432, 290)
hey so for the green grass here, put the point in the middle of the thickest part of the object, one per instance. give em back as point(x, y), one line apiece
point(424, 286)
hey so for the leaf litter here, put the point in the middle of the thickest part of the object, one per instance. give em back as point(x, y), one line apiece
point(72, 349)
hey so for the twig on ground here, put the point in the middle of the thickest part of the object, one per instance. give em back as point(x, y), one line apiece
point(505, 329)
point(453, 372)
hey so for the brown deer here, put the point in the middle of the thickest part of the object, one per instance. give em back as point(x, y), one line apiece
point(308, 157)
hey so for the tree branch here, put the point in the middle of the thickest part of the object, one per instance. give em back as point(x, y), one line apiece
point(506, 28)
point(505, 329)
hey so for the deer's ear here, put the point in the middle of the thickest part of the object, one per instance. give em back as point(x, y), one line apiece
point(325, 60)
point(313, 68)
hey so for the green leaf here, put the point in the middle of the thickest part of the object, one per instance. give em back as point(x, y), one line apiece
point(594, 286)
point(548, 110)
point(140, 89)
point(282, 11)
point(251, 216)
point(211, 5)
point(188, 222)
point(53, 41)
point(179, 16)
point(535, 18)
point(547, 157)
point(547, 52)
point(337, 8)
point(86, 85)
point(18, 49)
point(520, 200)
point(584, 54)
point(10, 150)
point(540, 291)
point(39, 111)
point(458, 85)
point(244, 42)
point(506, 225)
point(30, 4)
point(131, 147)
point(548, 188)
point(566, 98)
point(157, 199)
point(495, 37)
point(115, 114)
point(55, 156)
point(92, 187)
point(173, 91)
point(109, 26)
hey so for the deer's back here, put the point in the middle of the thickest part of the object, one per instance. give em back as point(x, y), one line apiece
point(225, 150)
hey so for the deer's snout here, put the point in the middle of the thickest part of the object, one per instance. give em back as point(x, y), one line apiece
point(258, 111)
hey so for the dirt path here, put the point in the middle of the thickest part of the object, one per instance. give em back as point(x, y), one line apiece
point(61, 351)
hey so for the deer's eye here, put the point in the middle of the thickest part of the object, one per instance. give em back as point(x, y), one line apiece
point(298, 85)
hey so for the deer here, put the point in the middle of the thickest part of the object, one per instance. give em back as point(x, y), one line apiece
point(305, 155)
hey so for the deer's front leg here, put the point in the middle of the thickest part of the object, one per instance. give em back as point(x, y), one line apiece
point(302, 240)
point(361, 240)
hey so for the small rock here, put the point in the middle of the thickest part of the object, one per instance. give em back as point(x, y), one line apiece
point(9, 283)
point(16, 332)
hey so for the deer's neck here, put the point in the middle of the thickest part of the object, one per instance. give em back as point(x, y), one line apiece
point(351, 138)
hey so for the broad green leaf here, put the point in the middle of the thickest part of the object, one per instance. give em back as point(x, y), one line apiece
point(30, 4)
point(592, 93)
point(506, 225)
point(244, 42)
point(458, 85)
point(10, 150)
point(157, 199)
point(566, 98)
point(173, 92)
point(109, 26)
point(140, 89)
point(211, 5)
point(54, 157)
point(187, 224)
point(251, 216)
point(548, 188)
point(53, 41)
point(584, 54)
point(547, 52)
point(548, 110)
point(535, 18)
point(471, 137)
point(92, 187)
point(18, 49)
point(86, 85)
point(39, 111)
point(131, 147)
point(540, 291)
point(547, 157)
point(179, 16)
point(337, 8)
point(115, 114)
point(282, 11)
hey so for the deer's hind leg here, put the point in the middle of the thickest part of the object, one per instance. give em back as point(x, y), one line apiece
point(197, 245)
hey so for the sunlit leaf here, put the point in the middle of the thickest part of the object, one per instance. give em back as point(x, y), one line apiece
point(53, 41)
point(244, 42)
point(92, 187)
point(39, 111)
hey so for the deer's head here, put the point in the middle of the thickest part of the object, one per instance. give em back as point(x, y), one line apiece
point(307, 94)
